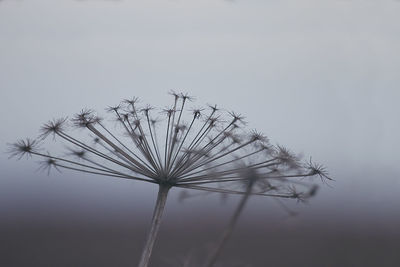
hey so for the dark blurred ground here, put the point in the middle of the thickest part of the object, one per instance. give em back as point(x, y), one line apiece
point(258, 244)
point(75, 220)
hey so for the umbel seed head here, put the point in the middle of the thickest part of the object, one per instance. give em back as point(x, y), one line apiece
point(196, 148)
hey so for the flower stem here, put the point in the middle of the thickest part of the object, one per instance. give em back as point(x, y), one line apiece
point(212, 258)
point(155, 225)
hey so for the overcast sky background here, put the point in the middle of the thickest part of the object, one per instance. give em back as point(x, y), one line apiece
point(321, 77)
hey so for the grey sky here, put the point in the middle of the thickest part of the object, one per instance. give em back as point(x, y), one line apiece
point(318, 76)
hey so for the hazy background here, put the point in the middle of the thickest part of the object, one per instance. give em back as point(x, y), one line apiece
point(321, 77)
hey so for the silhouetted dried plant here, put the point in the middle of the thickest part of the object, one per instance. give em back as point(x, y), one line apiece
point(250, 184)
point(211, 152)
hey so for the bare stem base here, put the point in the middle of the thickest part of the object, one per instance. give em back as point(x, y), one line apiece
point(155, 225)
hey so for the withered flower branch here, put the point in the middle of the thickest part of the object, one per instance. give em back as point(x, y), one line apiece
point(210, 152)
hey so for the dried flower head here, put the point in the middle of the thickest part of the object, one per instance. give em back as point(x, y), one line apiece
point(22, 148)
point(200, 149)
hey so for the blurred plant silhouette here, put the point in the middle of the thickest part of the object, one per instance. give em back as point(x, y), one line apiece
point(210, 152)
point(250, 184)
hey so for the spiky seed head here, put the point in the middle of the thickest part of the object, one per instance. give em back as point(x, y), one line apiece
point(213, 108)
point(186, 97)
point(285, 156)
point(154, 121)
point(48, 164)
point(168, 111)
point(174, 94)
point(147, 109)
point(197, 112)
point(115, 108)
point(213, 121)
point(85, 118)
point(257, 136)
point(210, 152)
point(53, 127)
point(236, 117)
point(79, 153)
point(131, 101)
point(318, 169)
point(23, 148)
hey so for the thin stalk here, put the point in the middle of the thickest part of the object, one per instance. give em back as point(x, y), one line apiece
point(224, 163)
point(181, 161)
point(183, 141)
point(175, 134)
point(212, 258)
point(155, 225)
point(188, 170)
point(166, 144)
point(154, 143)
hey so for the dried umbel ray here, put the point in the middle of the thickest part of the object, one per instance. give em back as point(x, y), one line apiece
point(211, 151)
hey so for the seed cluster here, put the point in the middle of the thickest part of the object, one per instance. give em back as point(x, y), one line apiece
point(196, 148)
